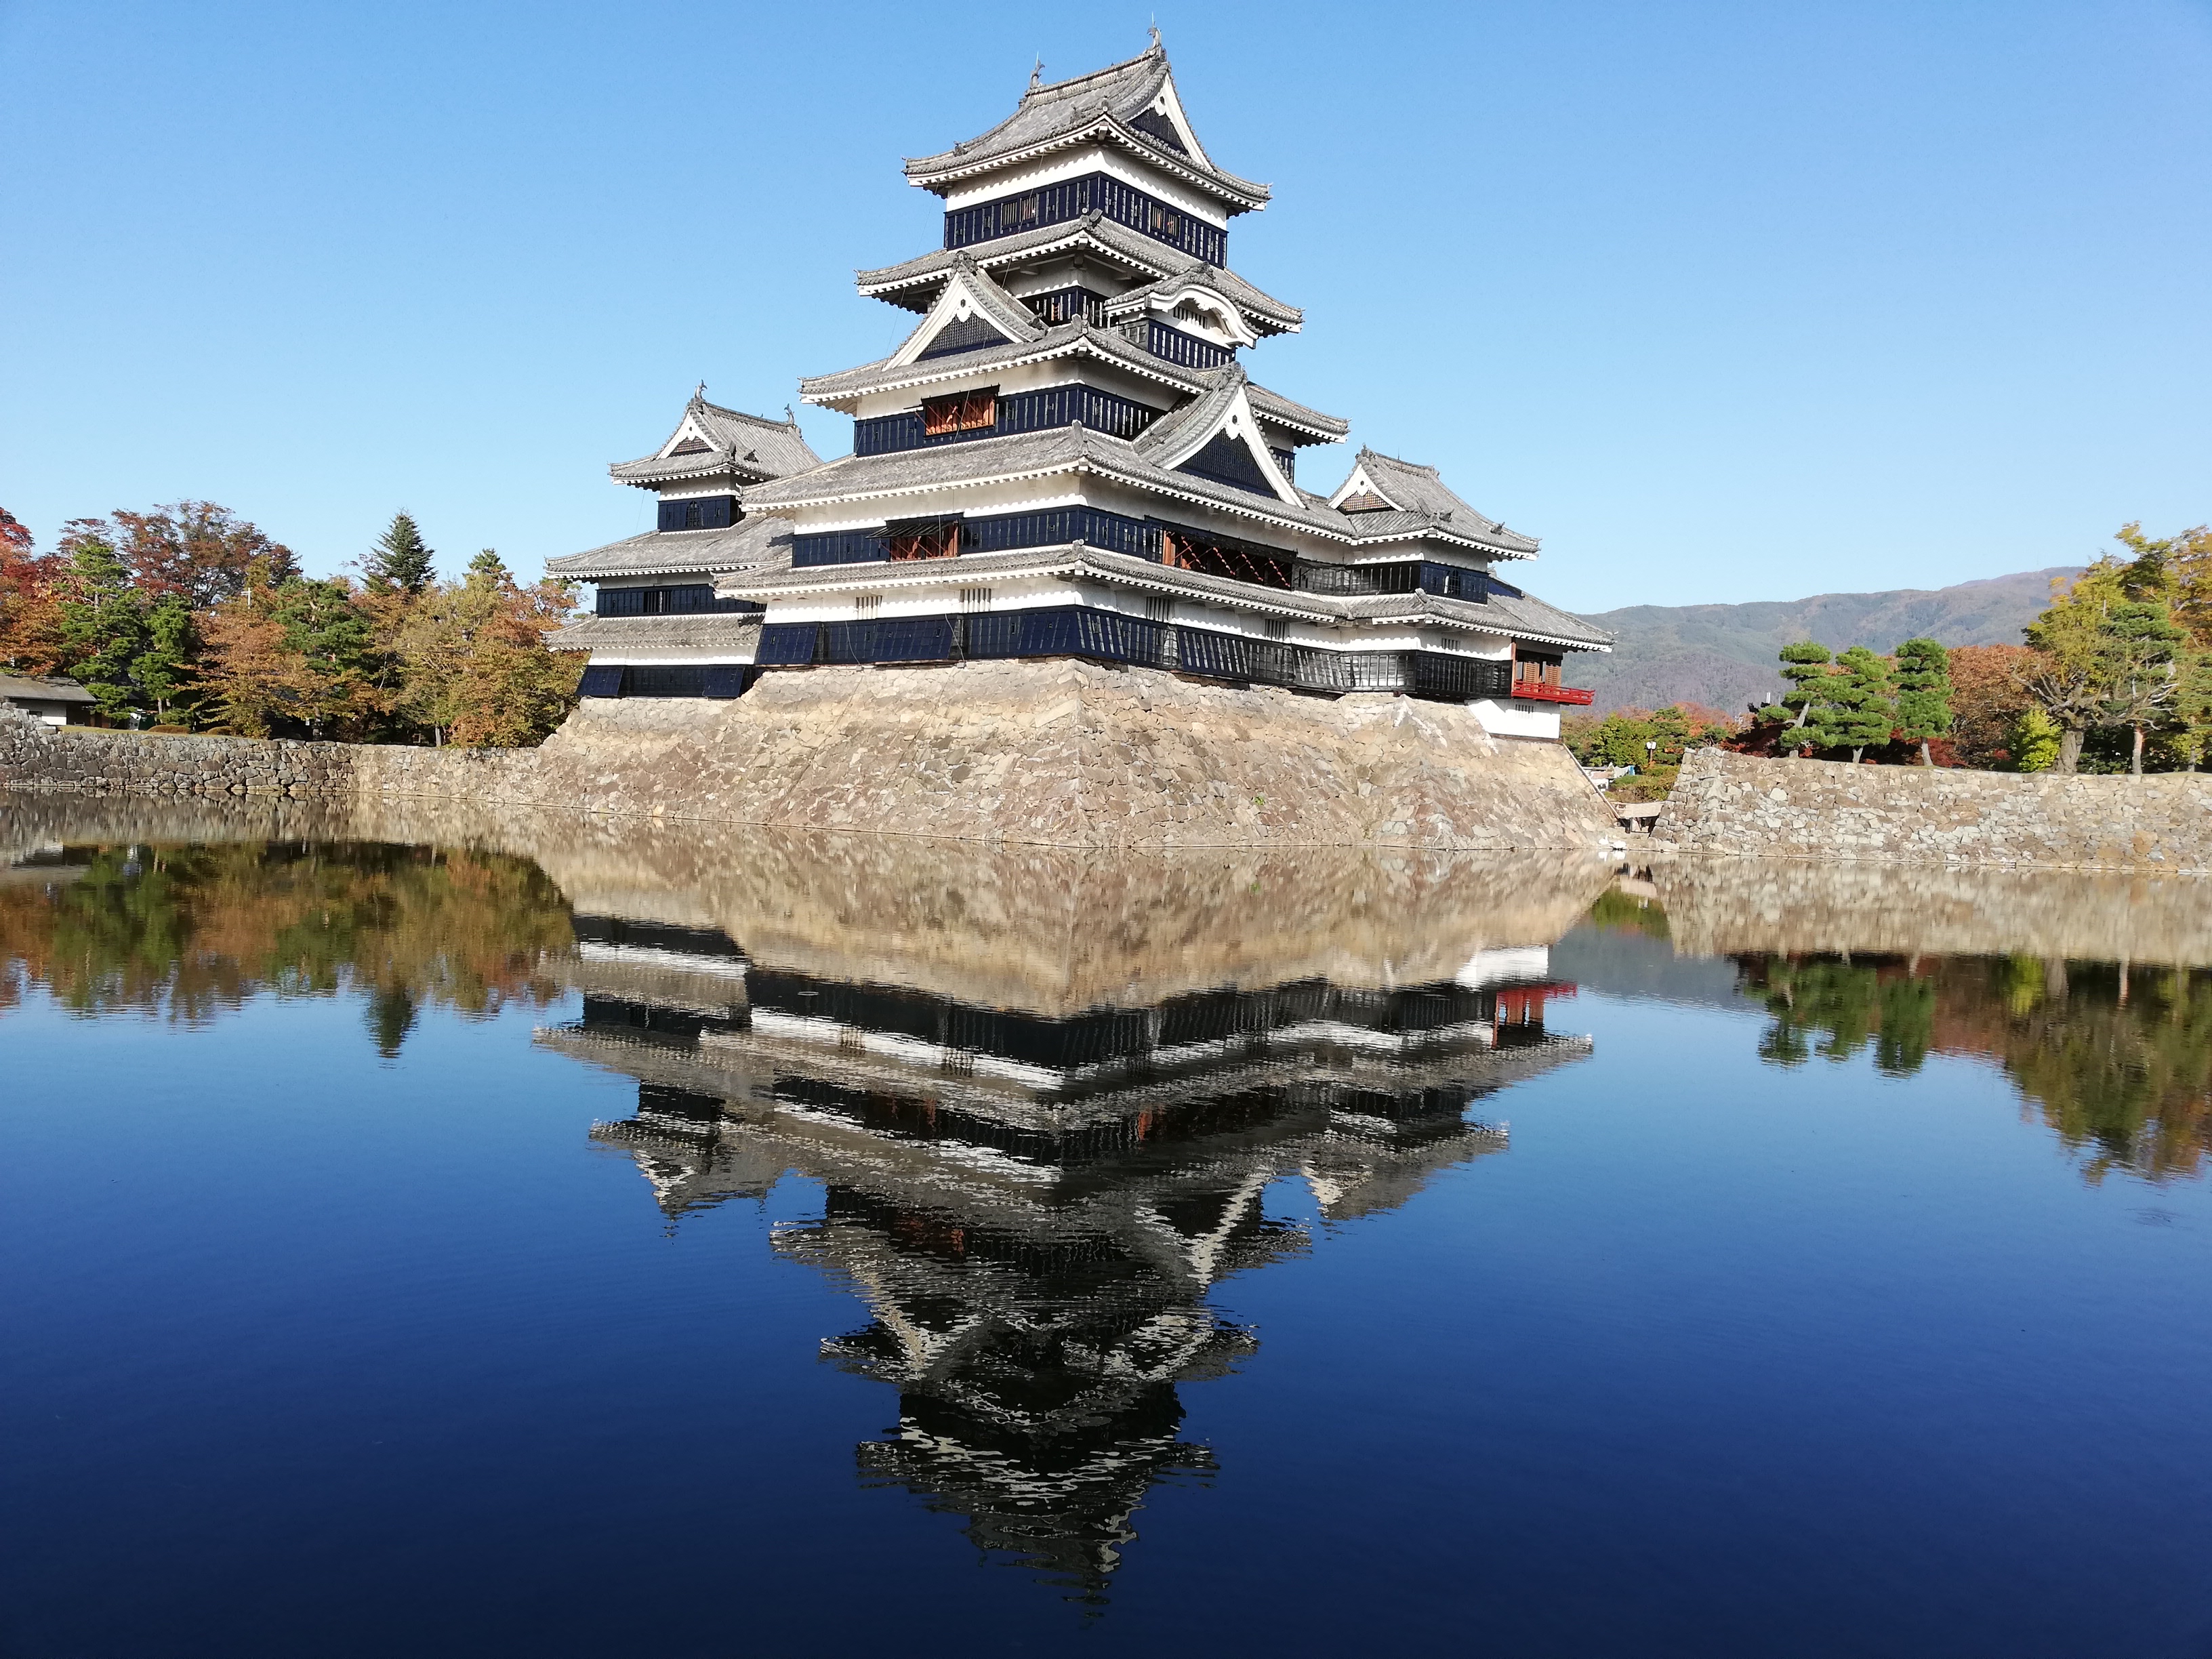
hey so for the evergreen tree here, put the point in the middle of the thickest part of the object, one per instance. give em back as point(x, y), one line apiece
point(1859, 712)
point(336, 646)
point(487, 566)
point(2143, 667)
point(1923, 693)
point(1805, 665)
point(401, 558)
point(103, 619)
point(164, 670)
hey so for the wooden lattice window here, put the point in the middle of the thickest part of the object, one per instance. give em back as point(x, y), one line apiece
point(1182, 551)
point(923, 538)
point(960, 412)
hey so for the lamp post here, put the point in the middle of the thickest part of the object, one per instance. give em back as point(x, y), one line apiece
point(1650, 753)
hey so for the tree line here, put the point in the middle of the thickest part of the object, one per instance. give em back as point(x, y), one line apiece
point(2116, 675)
point(186, 617)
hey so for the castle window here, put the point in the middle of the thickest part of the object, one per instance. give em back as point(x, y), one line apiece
point(923, 538)
point(700, 513)
point(1529, 667)
point(961, 411)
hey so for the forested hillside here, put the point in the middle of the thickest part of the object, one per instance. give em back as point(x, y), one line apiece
point(1723, 655)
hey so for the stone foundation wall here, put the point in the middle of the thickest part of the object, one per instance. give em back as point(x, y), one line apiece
point(1739, 805)
point(1068, 754)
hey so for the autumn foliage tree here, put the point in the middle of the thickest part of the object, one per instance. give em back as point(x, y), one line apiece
point(192, 616)
point(30, 612)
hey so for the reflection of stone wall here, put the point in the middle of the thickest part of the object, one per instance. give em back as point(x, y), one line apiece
point(1777, 908)
point(1051, 753)
point(1055, 930)
point(1051, 930)
point(1801, 809)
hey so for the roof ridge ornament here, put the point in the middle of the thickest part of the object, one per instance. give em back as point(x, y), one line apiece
point(1036, 75)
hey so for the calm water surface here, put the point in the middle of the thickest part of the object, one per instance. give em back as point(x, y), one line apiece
point(480, 1239)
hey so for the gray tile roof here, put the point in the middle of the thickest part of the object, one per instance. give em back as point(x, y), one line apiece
point(998, 308)
point(915, 283)
point(1184, 428)
point(1272, 405)
point(746, 448)
point(1523, 618)
point(759, 539)
point(1031, 454)
point(1424, 503)
point(1076, 338)
point(1526, 617)
point(32, 689)
point(734, 634)
point(1095, 107)
point(884, 375)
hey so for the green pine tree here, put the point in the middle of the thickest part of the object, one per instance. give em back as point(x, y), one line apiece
point(338, 645)
point(1861, 710)
point(103, 622)
point(163, 670)
point(1923, 694)
point(487, 566)
point(401, 558)
point(1805, 665)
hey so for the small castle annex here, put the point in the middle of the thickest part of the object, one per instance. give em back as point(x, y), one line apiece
point(1068, 458)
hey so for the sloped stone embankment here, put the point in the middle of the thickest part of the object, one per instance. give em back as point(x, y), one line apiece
point(1053, 753)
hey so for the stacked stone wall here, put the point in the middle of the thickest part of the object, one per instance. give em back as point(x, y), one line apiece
point(1739, 805)
point(1054, 753)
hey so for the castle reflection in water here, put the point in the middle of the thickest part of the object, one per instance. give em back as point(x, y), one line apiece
point(1035, 1206)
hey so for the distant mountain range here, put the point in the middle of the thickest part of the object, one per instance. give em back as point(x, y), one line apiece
point(1723, 655)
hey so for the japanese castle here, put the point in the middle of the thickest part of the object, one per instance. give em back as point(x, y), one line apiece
point(1068, 457)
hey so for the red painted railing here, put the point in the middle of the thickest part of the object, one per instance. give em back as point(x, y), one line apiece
point(1540, 692)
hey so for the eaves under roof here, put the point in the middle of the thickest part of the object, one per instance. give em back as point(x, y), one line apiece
point(725, 632)
point(913, 284)
point(852, 479)
point(1523, 618)
point(856, 479)
point(1098, 107)
point(758, 538)
point(843, 390)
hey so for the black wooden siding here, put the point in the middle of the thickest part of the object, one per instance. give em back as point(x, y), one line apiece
point(1055, 204)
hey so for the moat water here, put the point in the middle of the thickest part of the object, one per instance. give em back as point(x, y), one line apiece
point(497, 1238)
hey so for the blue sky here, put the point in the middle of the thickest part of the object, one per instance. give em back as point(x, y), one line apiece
point(1723, 301)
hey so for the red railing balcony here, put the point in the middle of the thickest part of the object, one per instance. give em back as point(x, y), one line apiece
point(1540, 692)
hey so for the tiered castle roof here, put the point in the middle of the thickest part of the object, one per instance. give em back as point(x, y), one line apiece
point(1072, 412)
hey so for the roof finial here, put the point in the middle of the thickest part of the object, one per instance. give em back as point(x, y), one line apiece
point(1036, 75)
point(1155, 31)
point(789, 419)
point(699, 396)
